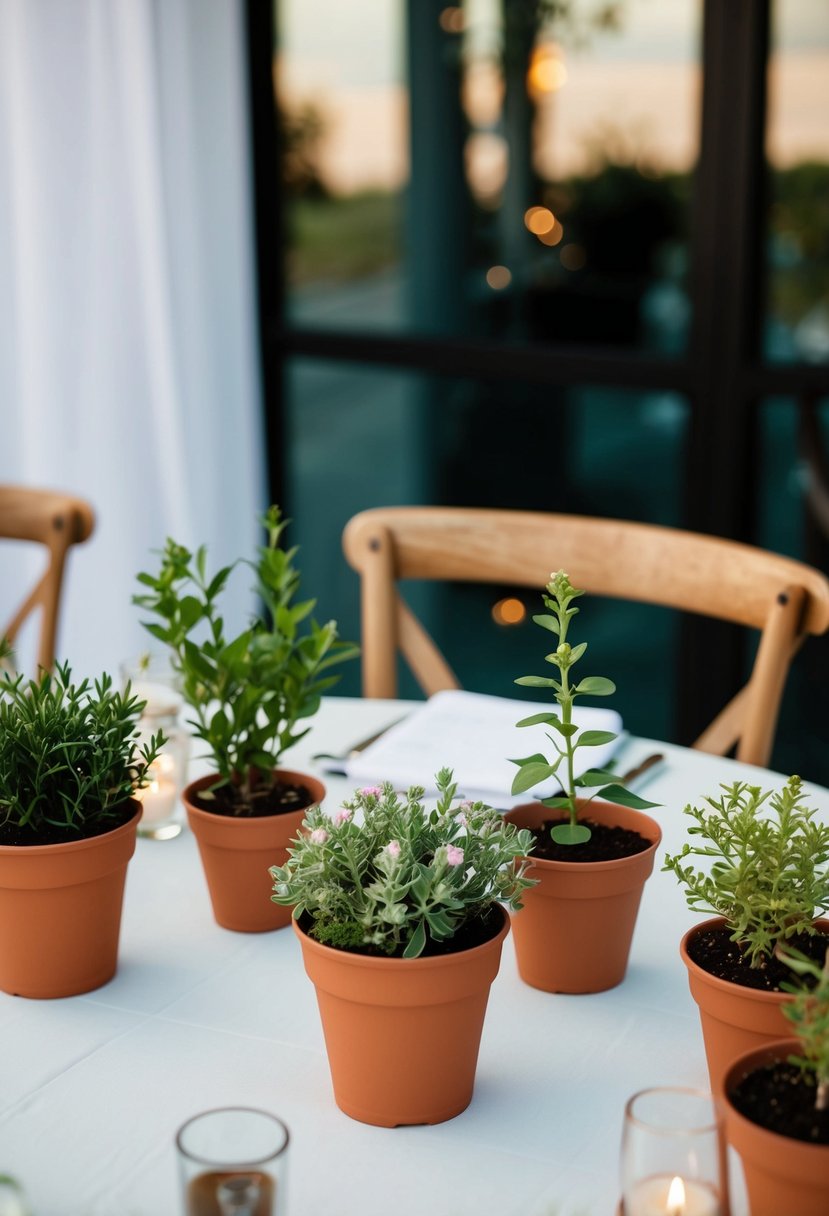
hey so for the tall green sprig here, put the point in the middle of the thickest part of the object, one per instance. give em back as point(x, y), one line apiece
point(768, 874)
point(808, 1013)
point(248, 693)
point(68, 752)
point(533, 769)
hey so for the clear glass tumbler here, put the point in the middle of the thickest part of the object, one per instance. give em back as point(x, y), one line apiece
point(232, 1162)
point(673, 1154)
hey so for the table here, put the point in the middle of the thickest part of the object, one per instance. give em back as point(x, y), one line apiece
point(93, 1088)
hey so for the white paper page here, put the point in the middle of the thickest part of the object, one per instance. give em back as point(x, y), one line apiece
point(475, 735)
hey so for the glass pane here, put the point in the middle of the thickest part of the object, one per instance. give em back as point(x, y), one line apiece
point(797, 326)
point(489, 169)
point(794, 519)
point(363, 437)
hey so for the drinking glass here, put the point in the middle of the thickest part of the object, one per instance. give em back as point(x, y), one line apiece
point(232, 1163)
point(672, 1161)
point(154, 681)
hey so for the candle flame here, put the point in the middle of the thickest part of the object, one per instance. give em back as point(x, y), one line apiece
point(676, 1197)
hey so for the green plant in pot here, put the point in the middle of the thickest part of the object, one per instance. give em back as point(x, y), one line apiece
point(575, 931)
point(69, 767)
point(777, 1101)
point(252, 696)
point(398, 911)
point(766, 880)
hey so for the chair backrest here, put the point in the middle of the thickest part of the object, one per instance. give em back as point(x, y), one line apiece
point(784, 599)
point(56, 521)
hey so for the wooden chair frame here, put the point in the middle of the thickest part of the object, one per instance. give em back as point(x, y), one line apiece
point(56, 521)
point(784, 599)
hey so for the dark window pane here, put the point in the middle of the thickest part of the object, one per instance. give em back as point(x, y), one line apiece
point(459, 172)
point(797, 326)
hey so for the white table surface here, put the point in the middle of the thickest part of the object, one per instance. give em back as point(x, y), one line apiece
point(93, 1088)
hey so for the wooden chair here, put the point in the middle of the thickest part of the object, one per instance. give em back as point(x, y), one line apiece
point(56, 521)
point(783, 598)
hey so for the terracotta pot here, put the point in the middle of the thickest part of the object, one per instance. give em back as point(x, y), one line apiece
point(784, 1177)
point(236, 854)
point(733, 1019)
point(60, 912)
point(402, 1035)
point(575, 929)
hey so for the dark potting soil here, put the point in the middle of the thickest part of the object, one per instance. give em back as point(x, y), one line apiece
point(11, 833)
point(605, 843)
point(476, 930)
point(780, 1098)
point(264, 800)
point(714, 951)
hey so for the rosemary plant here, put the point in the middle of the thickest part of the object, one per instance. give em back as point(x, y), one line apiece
point(69, 758)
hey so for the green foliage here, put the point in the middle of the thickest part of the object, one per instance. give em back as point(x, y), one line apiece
point(249, 692)
point(68, 753)
point(536, 768)
point(386, 873)
point(768, 875)
point(808, 1013)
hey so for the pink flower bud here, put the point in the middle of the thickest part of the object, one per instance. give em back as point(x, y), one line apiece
point(318, 836)
point(343, 815)
point(371, 791)
point(454, 856)
point(393, 848)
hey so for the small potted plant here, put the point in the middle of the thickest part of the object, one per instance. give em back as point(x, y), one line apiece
point(251, 696)
point(591, 859)
point(766, 879)
point(69, 766)
point(777, 1103)
point(398, 912)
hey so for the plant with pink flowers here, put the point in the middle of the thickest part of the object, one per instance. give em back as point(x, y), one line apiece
point(387, 875)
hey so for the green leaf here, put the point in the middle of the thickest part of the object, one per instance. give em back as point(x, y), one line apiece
point(559, 803)
point(567, 729)
point(592, 738)
point(535, 758)
point(596, 776)
point(417, 942)
point(596, 686)
point(618, 793)
point(547, 622)
point(536, 719)
point(570, 833)
point(536, 682)
point(530, 775)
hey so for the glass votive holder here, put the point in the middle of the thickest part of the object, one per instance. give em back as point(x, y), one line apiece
point(154, 681)
point(232, 1162)
point(672, 1159)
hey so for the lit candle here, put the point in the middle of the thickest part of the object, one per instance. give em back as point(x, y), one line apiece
point(667, 1196)
point(159, 797)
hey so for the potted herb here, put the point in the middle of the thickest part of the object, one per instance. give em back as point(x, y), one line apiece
point(69, 766)
point(398, 912)
point(766, 879)
point(591, 859)
point(777, 1103)
point(251, 696)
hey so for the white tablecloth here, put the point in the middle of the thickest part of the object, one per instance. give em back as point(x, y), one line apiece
point(93, 1088)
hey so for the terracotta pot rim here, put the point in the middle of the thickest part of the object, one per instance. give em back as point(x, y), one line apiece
point(73, 846)
point(728, 986)
point(374, 963)
point(745, 1064)
point(245, 821)
point(595, 867)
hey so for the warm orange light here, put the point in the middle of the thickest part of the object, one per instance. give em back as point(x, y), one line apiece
point(499, 277)
point(553, 236)
point(676, 1197)
point(546, 72)
point(451, 19)
point(539, 220)
point(509, 611)
point(573, 257)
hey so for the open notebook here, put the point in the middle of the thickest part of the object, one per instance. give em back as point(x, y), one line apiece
point(474, 735)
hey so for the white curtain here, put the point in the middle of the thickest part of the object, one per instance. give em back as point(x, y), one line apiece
point(128, 364)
